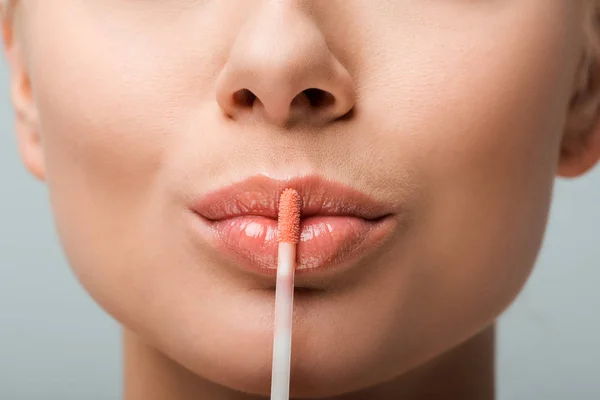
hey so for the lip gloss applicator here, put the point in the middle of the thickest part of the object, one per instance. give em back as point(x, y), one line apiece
point(288, 231)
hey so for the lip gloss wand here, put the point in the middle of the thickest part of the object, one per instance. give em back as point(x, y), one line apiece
point(288, 231)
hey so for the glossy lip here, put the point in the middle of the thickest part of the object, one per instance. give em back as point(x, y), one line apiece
point(339, 225)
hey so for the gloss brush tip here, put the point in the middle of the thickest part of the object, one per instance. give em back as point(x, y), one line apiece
point(288, 223)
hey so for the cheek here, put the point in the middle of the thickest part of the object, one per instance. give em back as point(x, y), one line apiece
point(107, 114)
point(493, 165)
point(118, 108)
point(480, 122)
point(114, 88)
point(110, 98)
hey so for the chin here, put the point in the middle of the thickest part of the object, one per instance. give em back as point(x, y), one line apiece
point(233, 349)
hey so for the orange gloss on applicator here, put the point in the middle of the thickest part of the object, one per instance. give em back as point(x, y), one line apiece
point(288, 234)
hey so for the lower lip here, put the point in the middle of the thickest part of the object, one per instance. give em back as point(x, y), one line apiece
point(325, 241)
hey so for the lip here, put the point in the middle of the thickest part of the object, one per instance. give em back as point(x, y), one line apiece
point(339, 224)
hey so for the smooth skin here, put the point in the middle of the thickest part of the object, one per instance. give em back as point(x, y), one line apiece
point(461, 113)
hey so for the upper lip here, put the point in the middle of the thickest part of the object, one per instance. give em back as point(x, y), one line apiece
point(259, 196)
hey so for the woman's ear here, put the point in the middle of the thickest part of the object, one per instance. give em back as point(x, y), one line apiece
point(580, 147)
point(26, 116)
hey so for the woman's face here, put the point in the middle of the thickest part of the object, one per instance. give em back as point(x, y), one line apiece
point(445, 118)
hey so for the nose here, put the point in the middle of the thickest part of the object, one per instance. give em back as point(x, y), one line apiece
point(281, 70)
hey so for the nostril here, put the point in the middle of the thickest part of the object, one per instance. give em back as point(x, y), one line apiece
point(312, 100)
point(244, 98)
point(319, 98)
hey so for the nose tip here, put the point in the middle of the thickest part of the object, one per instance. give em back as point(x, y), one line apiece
point(284, 73)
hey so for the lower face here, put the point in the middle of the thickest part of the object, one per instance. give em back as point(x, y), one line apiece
point(459, 117)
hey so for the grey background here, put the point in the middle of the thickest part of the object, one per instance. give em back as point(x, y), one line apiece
point(55, 343)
